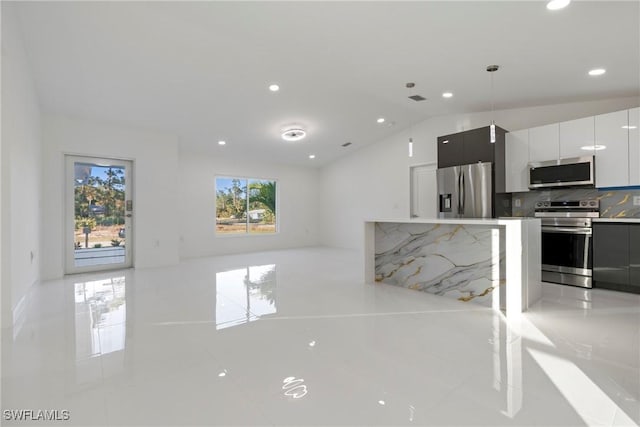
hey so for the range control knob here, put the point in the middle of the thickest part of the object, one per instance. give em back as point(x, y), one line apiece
point(593, 203)
point(583, 203)
point(547, 204)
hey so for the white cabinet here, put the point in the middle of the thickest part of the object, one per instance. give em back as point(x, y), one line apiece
point(634, 146)
point(576, 138)
point(613, 138)
point(544, 143)
point(517, 159)
point(612, 149)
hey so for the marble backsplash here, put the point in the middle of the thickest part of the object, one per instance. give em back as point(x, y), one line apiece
point(613, 203)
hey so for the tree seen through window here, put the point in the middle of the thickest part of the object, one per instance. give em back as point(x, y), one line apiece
point(245, 205)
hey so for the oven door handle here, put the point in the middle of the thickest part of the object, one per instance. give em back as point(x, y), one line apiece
point(568, 230)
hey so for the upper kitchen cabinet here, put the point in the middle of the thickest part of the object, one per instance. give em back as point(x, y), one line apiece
point(470, 146)
point(517, 159)
point(576, 138)
point(450, 150)
point(478, 146)
point(634, 146)
point(612, 149)
point(544, 143)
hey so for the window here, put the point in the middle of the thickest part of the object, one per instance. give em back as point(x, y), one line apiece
point(245, 205)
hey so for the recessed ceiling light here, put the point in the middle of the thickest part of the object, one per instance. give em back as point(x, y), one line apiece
point(558, 4)
point(312, 156)
point(596, 147)
point(293, 135)
point(597, 72)
point(274, 87)
point(380, 120)
point(222, 142)
point(447, 95)
point(629, 127)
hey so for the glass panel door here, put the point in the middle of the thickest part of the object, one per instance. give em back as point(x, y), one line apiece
point(99, 214)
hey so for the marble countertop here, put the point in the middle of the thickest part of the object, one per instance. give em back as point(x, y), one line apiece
point(621, 220)
point(463, 221)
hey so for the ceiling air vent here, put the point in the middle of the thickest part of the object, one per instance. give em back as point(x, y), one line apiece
point(346, 144)
point(418, 98)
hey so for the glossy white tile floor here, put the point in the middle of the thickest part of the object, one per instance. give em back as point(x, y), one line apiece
point(295, 338)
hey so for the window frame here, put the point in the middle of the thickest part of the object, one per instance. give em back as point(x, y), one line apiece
point(246, 179)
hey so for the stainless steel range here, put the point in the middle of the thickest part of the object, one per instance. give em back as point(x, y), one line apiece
point(567, 250)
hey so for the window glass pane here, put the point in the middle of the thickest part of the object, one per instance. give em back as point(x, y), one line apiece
point(231, 205)
point(262, 206)
point(99, 193)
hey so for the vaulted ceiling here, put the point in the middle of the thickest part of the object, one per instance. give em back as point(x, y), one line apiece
point(201, 70)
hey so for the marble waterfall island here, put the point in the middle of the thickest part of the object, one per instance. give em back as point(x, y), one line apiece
point(492, 262)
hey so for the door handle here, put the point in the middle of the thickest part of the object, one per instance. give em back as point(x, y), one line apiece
point(462, 195)
point(568, 230)
point(459, 201)
point(129, 215)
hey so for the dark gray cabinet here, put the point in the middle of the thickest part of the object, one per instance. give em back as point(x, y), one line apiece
point(616, 257)
point(450, 149)
point(478, 146)
point(634, 256)
point(468, 147)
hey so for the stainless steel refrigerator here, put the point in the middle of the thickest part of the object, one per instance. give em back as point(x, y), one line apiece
point(466, 191)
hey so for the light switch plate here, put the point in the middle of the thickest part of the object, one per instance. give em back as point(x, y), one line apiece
point(636, 200)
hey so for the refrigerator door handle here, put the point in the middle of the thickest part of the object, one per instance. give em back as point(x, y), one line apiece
point(462, 195)
point(459, 202)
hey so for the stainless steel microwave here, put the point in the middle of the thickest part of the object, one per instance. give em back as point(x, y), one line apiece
point(576, 171)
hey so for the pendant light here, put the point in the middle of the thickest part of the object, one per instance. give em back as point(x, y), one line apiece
point(492, 129)
point(411, 141)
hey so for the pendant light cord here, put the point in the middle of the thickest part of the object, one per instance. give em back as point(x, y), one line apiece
point(492, 115)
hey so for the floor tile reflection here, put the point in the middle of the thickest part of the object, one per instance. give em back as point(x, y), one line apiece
point(245, 294)
point(295, 338)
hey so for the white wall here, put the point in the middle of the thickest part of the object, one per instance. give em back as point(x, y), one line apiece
point(374, 182)
point(155, 186)
point(174, 194)
point(21, 172)
point(297, 210)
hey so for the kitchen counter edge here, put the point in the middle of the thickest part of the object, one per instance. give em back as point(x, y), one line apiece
point(462, 221)
point(620, 220)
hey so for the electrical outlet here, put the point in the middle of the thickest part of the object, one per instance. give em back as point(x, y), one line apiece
point(636, 200)
point(517, 203)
